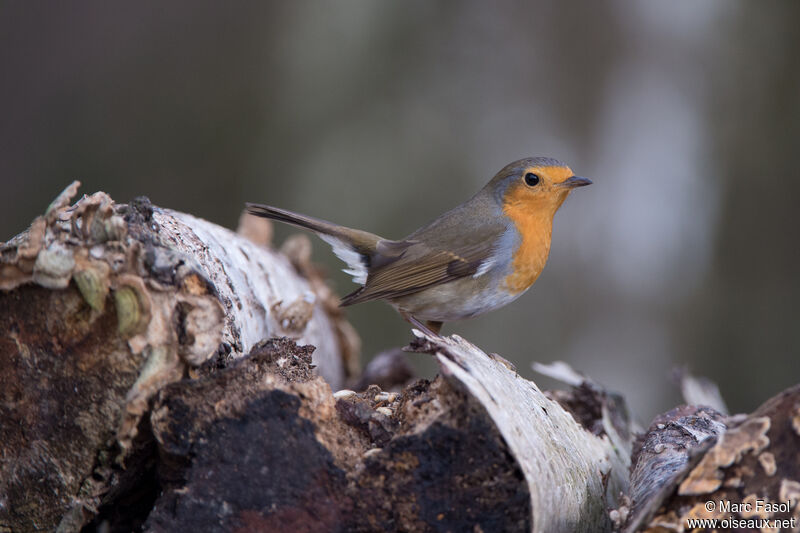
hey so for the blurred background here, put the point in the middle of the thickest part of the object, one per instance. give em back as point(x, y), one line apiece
point(381, 115)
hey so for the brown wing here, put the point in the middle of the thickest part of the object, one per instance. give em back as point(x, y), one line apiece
point(417, 267)
point(451, 247)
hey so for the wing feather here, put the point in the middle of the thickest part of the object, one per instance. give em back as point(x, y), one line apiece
point(420, 267)
point(449, 248)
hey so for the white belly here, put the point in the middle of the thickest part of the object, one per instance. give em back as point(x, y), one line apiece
point(456, 300)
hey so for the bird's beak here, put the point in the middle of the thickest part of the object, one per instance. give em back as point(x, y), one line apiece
point(575, 181)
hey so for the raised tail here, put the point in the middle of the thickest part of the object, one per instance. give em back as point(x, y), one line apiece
point(353, 246)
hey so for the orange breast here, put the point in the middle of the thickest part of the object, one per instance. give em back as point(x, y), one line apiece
point(535, 227)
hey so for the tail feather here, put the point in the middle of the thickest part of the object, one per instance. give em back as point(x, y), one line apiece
point(354, 247)
point(352, 298)
point(361, 241)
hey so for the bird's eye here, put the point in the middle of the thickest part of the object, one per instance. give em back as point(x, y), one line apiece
point(531, 179)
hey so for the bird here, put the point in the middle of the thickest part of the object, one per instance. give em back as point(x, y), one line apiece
point(477, 257)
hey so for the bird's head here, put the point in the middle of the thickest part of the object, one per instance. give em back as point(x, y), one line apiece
point(535, 185)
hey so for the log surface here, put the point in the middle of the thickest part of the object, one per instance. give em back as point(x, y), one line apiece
point(101, 306)
point(160, 373)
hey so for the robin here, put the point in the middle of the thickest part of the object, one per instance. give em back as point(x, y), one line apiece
point(476, 257)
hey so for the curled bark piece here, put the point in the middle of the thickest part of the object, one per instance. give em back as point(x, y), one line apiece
point(62, 200)
point(255, 229)
point(298, 249)
point(600, 411)
point(701, 391)
point(573, 475)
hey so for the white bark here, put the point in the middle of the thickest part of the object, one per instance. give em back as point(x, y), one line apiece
point(262, 293)
point(181, 286)
point(573, 476)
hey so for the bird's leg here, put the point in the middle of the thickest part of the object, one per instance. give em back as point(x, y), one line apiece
point(434, 326)
point(431, 328)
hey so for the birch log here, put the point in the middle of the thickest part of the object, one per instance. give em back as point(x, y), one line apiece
point(160, 373)
point(573, 475)
point(101, 306)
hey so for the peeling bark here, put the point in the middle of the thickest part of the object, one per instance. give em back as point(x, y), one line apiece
point(160, 373)
point(572, 475)
point(754, 458)
point(101, 306)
